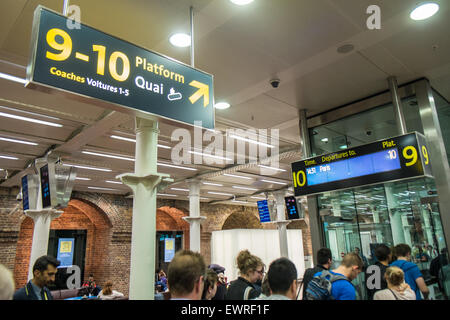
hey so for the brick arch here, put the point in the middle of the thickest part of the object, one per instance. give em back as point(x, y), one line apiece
point(241, 220)
point(171, 219)
point(105, 204)
point(78, 215)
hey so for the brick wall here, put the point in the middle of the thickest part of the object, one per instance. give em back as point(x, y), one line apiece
point(108, 219)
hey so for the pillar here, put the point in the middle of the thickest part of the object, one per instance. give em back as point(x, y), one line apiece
point(144, 182)
point(281, 222)
point(194, 218)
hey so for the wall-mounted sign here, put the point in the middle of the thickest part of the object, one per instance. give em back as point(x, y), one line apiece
point(169, 249)
point(132, 79)
point(45, 186)
point(30, 189)
point(292, 208)
point(386, 160)
point(265, 210)
point(65, 251)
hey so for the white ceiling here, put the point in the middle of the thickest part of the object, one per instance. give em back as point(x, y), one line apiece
point(243, 47)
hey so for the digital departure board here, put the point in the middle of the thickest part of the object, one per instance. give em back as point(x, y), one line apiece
point(25, 200)
point(391, 159)
point(292, 208)
point(45, 185)
point(264, 211)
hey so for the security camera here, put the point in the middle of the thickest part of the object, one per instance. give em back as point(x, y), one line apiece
point(19, 196)
point(275, 83)
point(369, 132)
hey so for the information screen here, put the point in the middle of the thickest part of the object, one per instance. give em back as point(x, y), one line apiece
point(25, 200)
point(45, 184)
point(292, 208)
point(264, 212)
point(386, 160)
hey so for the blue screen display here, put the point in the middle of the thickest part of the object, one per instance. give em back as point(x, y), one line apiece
point(263, 209)
point(383, 161)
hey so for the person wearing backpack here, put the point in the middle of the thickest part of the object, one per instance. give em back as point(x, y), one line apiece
point(413, 276)
point(251, 269)
point(336, 284)
point(324, 261)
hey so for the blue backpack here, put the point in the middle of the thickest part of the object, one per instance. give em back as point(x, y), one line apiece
point(319, 288)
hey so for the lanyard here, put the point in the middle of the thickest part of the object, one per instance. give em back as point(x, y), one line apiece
point(45, 293)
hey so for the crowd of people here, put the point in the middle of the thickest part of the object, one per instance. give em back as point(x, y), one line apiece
point(392, 277)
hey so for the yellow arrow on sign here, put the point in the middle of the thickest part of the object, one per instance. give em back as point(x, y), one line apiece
point(203, 91)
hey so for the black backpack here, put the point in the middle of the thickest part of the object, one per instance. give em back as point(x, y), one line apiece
point(319, 288)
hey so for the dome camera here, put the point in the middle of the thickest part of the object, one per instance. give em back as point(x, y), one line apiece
point(275, 83)
point(368, 132)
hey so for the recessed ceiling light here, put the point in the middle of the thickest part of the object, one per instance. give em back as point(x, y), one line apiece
point(174, 166)
point(134, 140)
point(250, 141)
point(271, 181)
point(259, 198)
point(424, 11)
point(239, 201)
point(222, 105)
point(166, 195)
point(86, 167)
point(9, 158)
point(244, 188)
point(324, 140)
point(12, 78)
point(210, 155)
point(83, 179)
point(213, 184)
point(272, 168)
point(111, 181)
point(180, 40)
point(18, 141)
point(241, 2)
point(107, 155)
point(180, 189)
point(13, 116)
point(343, 147)
point(106, 189)
point(236, 176)
point(220, 193)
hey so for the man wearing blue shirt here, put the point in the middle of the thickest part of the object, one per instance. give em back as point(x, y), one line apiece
point(350, 267)
point(413, 276)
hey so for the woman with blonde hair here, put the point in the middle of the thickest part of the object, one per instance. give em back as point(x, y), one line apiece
point(108, 293)
point(251, 269)
point(397, 288)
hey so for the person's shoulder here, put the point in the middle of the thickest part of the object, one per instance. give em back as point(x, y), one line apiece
point(20, 294)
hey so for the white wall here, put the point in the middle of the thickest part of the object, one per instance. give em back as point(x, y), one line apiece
point(226, 244)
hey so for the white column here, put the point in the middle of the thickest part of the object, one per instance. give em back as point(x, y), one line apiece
point(42, 219)
point(281, 222)
point(395, 217)
point(194, 218)
point(144, 184)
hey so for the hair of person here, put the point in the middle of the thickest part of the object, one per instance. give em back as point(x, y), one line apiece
point(211, 279)
point(282, 272)
point(42, 263)
point(323, 255)
point(352, 259)
point(382, 252)
point(402, 250)
point(395, 276)
point(184, 271)
point(107, 290)
point(7, 285)
point(265, 286)
point(247, 262)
